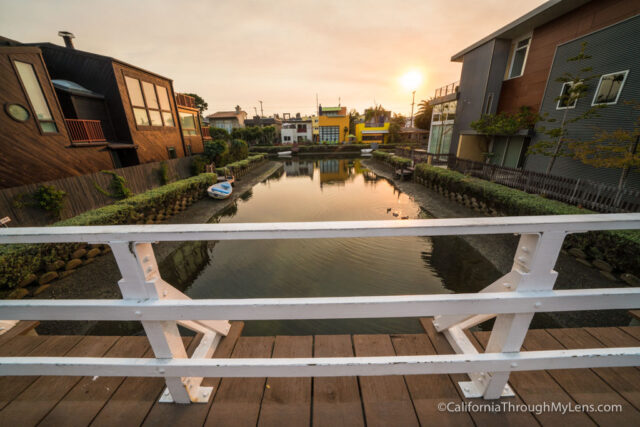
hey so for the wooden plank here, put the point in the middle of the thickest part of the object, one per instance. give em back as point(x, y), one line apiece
point(538, 387)
point(442, 346)
point(21, 345)
point(583, 385)
point(427, 391)
point(88, 397)
point(288, 400)
point(195, 414)
point(385, 399)
point(336, 400)
point(40, 397)
point(10, 387)
point(238, 400)
point(130, 404)
point(634, 331)
point(624, 380)
point(21, 328)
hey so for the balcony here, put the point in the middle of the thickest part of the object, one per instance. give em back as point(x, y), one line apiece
point(185, 101)
point(85, 130)
point(205, 132)
point(447, 90)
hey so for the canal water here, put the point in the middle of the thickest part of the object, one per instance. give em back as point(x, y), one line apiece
point(326, 190)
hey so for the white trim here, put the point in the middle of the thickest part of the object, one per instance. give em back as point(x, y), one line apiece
point(595, 95)
point(512, 56)
point(568, 107)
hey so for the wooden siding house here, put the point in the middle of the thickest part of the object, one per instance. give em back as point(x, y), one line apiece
point(85, 112)
point(192, 130)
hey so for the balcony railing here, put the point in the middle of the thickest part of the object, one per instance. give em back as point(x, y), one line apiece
point(513, 300)
point(374, 125)
point(205, 132)
point(85, 130)
point(185, 100)
point(448, 89)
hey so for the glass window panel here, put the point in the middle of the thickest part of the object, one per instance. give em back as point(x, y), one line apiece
point(518, 62)
point(49, 127)
point(34, 91)
point(565, 100)
point(172, 152)
point(187, 121)
point(609, 88)
point(135, 94)
point(156, 120)
point(163, 97)
point(141, 116)
point(150, 95)
point(168, 118)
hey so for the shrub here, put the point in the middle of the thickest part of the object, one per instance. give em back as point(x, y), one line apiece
point(393, 160)
point(163, 173)
point(198, 165)
point(619, 248)
point(238, 150)
point(46, 197)
point(216, 151)
point(18, 261)
point(218, 133)
point(118, 186)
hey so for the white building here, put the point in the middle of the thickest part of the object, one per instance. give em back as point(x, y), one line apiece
point(296, 131)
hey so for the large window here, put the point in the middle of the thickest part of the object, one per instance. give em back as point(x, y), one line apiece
point(519, 57)
point(150, 103)
point(609, 88)
point(188, 122)
point(330, 133)
point(302, 128)
point(567, 98)
point(36, 97)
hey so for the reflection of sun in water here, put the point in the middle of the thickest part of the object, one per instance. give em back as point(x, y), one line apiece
point(411, 80)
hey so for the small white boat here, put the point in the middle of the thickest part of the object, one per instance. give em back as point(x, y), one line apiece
point(284, 153)
point(366, 150)
point(221, 190)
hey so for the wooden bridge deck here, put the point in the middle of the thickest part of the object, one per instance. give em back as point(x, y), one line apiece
point(352, 401)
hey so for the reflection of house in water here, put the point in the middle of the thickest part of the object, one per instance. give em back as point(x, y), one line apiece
point(333, 171)
point(294, 168)
point(185, 263)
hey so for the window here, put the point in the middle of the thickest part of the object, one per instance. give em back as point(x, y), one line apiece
point(487, 108)
point(36, 97)
point(302, 128)
point(329, 133)
point(150, 103)
point(172, 152)
point(188, 122)
point(287, 138)
point(609, 88)
point(567, 98)
point(519, 57)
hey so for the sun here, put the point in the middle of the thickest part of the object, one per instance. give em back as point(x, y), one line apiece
point(411, 80)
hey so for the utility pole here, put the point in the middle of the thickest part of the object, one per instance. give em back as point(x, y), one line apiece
point(413, 101)
point(256, 110)
point(261, 111)
point(317, 107)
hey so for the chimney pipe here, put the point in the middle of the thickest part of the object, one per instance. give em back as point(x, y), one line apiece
point(67, 37)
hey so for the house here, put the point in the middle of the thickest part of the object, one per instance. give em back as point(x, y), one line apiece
point(315, 124)
point(297, 130)
point(443, 115)
point(228, 120)
point(259, 121)
point(374, 130)
point(193, 132)
point(333, 124)
point(518, 66)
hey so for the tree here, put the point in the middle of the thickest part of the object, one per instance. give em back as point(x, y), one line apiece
point(395, 126)
point(376, 114)
point(218, 133)
point(353, 118)
point(238, 150)
point(422, 119)
point(345, 131)
point(611, 149)
point(575, 87)
point(269, 134)
point(201, 104)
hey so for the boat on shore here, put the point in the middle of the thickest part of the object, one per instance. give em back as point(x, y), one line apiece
point(220, 190)
point(366, 150)
point(284, 153)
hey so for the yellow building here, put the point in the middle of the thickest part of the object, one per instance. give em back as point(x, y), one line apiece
point(333, 125)
point(315, 127)
point(368, 133)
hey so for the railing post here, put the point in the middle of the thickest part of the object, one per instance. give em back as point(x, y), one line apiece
point(138, 267)
point(535, 259)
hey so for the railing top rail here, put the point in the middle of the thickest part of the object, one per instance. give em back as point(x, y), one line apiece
point(328, 229)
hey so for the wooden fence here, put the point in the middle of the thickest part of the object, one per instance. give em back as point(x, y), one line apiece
point(82, 194)
point(588, 194)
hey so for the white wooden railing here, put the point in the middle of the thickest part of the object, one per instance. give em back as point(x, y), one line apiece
point(513, 299)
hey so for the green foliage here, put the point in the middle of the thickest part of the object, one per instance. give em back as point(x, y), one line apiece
point(218, 133)
point(46, 197)
point(201, 104)
point(240, 165)
point(619, 248)
point(163, 173)
point(18, 261)
point(198, 165)
point(118, 186)
point(216, 151)
point(390, 158)
point(256, 135)
point(505, 123)
point(395, 126)
point(238, 150)
point(422, 119)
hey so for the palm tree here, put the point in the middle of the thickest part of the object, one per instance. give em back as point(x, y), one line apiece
point(423, 116)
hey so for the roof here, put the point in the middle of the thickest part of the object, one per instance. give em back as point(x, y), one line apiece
point(74, 88)
point(225, 115)
point(413, 130)
point(47, 45)
point(542, 14)
point(340, 110)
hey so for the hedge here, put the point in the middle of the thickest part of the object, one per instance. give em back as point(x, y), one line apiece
point(621, 249)
point(19, 261)
point(241, 165)
point(392, 159)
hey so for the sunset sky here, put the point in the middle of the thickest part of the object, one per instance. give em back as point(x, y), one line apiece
point(281, 52)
